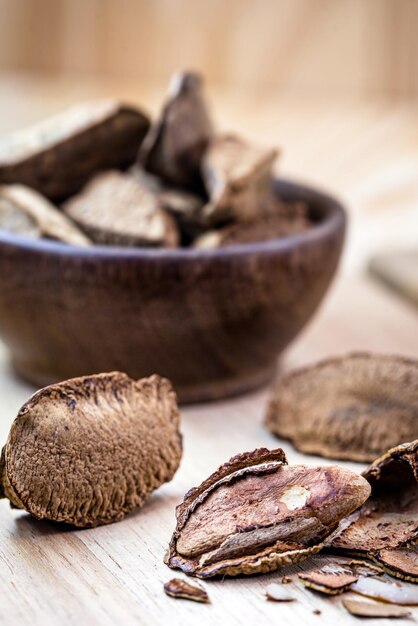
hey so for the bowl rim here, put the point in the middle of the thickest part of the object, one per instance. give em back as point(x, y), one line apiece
point(333, 220)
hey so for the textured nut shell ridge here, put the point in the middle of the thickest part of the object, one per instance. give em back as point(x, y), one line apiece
point(89, 450)
point(347, 408)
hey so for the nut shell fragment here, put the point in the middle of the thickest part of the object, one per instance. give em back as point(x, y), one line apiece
point(385, 528)
point(264, 228)
point(174, 146)
point(89, 450)
point(347, 408)
point(179, 588)
point(277, 593)
point(114, 208)
point(367, 609)
point(331, 579)
point(396, 593)
point(24, 211)
point(399, 562)
point(255, 514)
point(184, 206)
point(59, 155)
point(237, 177)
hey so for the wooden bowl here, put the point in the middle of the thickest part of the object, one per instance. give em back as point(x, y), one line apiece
point(213, 321)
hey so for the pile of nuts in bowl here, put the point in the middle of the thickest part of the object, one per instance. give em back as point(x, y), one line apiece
point(102, 173)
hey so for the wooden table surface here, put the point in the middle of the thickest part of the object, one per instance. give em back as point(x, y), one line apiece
point(114, 574)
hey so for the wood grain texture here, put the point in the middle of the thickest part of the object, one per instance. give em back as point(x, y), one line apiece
point(51, 575)
point(357, 47)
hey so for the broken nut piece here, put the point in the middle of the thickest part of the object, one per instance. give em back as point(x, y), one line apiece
point(174, 145)
point(400, 562)
point(24, 211)
point(115, 209)
point(385, 528)
point(346, 408)
point(179, 588)
point(89, 450)
point(334, 578)
point(58, 156)
point(256, 513)
point(331, 579)
point(237, 177)
point(367, 609)
point(184, 206)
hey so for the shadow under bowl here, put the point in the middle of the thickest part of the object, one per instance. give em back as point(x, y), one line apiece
point(212, 321)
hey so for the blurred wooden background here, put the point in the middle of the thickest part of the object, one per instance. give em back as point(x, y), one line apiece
point(360, 47)
point(333, 83)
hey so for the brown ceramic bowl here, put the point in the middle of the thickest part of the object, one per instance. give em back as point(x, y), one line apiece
point(213, 321)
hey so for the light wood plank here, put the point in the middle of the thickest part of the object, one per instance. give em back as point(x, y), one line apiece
point(355, 47)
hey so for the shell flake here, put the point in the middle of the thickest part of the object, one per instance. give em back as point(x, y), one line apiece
point(25, 211)
point(237, 178)
point(89, 450)
point(347, 407)
point(179, 588)
point(175, 143)
point(59, 155)
point(237, 522)
point(116, 208)
point(367, 609)
point(385, 528)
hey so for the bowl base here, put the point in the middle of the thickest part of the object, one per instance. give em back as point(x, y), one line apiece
point(220, 389)
point(204, 392)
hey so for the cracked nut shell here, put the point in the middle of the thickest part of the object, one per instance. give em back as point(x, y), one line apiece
point(331, 579)
point(59, 155)
point(175, 143)
point(115, 208)
point(334, 578)
point(89, 450)
point(256, 513)
point(179, 588)
point(385, 528)
point(26, 212)
point(367, 609)
point(355, 407)
point(264, 228)
point(237, 177)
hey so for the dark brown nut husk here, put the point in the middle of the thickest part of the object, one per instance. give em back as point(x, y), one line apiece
point(175, 143)
point(355, 407)
point(179, 588)
point(367, 609)
point(184, 206)
point(237, 177)
point(265, 228)
point(59, 155)
point(385, 528)
point(255, 514)
point(89, 450)
point(26, 212)
point(115, 209)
